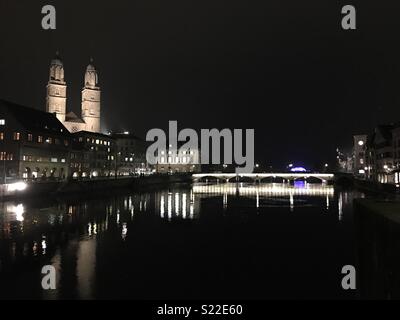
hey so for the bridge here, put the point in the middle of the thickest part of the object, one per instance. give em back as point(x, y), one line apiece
point(257, 177)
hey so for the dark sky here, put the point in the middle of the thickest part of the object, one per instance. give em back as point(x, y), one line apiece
point(284, 68)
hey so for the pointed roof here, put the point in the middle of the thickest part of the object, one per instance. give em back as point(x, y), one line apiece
point(91, 66)
point(57, 60)
point(33, 119)
point(72, 117)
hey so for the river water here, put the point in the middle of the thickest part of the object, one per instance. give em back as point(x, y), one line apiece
point(209, 241)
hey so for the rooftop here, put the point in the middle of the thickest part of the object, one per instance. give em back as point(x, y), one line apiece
point(32, 119)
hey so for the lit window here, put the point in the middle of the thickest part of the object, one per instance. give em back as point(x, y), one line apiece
point(176, 160)
point(54, 160)
point(162, 160)
point(97, 141)
point(16, 136)
point(169, 152)
point(30, 137)
point(2, 122)
point(162, 152)
point(361, 161)
point(40, 139)
point(63, 160)
point(1, 135)
point(169, 159)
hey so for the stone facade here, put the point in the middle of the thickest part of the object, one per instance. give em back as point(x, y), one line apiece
point(35, 145)
point(178, 161)
point(56, 100)
point(131, 154)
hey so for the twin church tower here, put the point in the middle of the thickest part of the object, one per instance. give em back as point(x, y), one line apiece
point(56, 101)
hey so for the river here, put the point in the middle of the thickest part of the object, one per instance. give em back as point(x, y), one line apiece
point(206, 241)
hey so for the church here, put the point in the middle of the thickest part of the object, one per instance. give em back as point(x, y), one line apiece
point(56, 100)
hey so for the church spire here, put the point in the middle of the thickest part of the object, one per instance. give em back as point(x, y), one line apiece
point(57, 69)
point(91, 99)
point(91, 76)
point(56, 97)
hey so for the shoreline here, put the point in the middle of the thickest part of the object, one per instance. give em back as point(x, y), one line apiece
point(95, 187)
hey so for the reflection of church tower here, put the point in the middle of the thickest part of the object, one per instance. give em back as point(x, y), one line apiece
point(91, 99)
point(56, 89)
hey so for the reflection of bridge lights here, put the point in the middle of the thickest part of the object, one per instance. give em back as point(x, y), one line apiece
point(291, 201)
point(327, 202)
point(225, 200)
point(299, 184)
point(267, 189)
point(257, 200)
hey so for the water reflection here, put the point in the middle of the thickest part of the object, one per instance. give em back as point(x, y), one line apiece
point(71, 234)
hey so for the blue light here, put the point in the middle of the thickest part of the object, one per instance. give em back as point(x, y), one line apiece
point(299, 184)
point(298, 169)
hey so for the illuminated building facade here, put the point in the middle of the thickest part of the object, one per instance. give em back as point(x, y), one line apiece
point(92, 155)
point(359, 152)
point(56, 99)
point(377, 156)
point(178, 161)
point(34, 144)
point(130, 154)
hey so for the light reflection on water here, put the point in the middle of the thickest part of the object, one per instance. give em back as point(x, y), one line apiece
point(68, 234)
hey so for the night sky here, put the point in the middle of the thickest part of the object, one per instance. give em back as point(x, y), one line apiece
point(284, 68)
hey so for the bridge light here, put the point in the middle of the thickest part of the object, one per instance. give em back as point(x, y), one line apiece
point(298, 169)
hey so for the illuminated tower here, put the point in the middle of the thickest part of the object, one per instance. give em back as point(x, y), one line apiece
point(56, 99)
point(91, 99)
